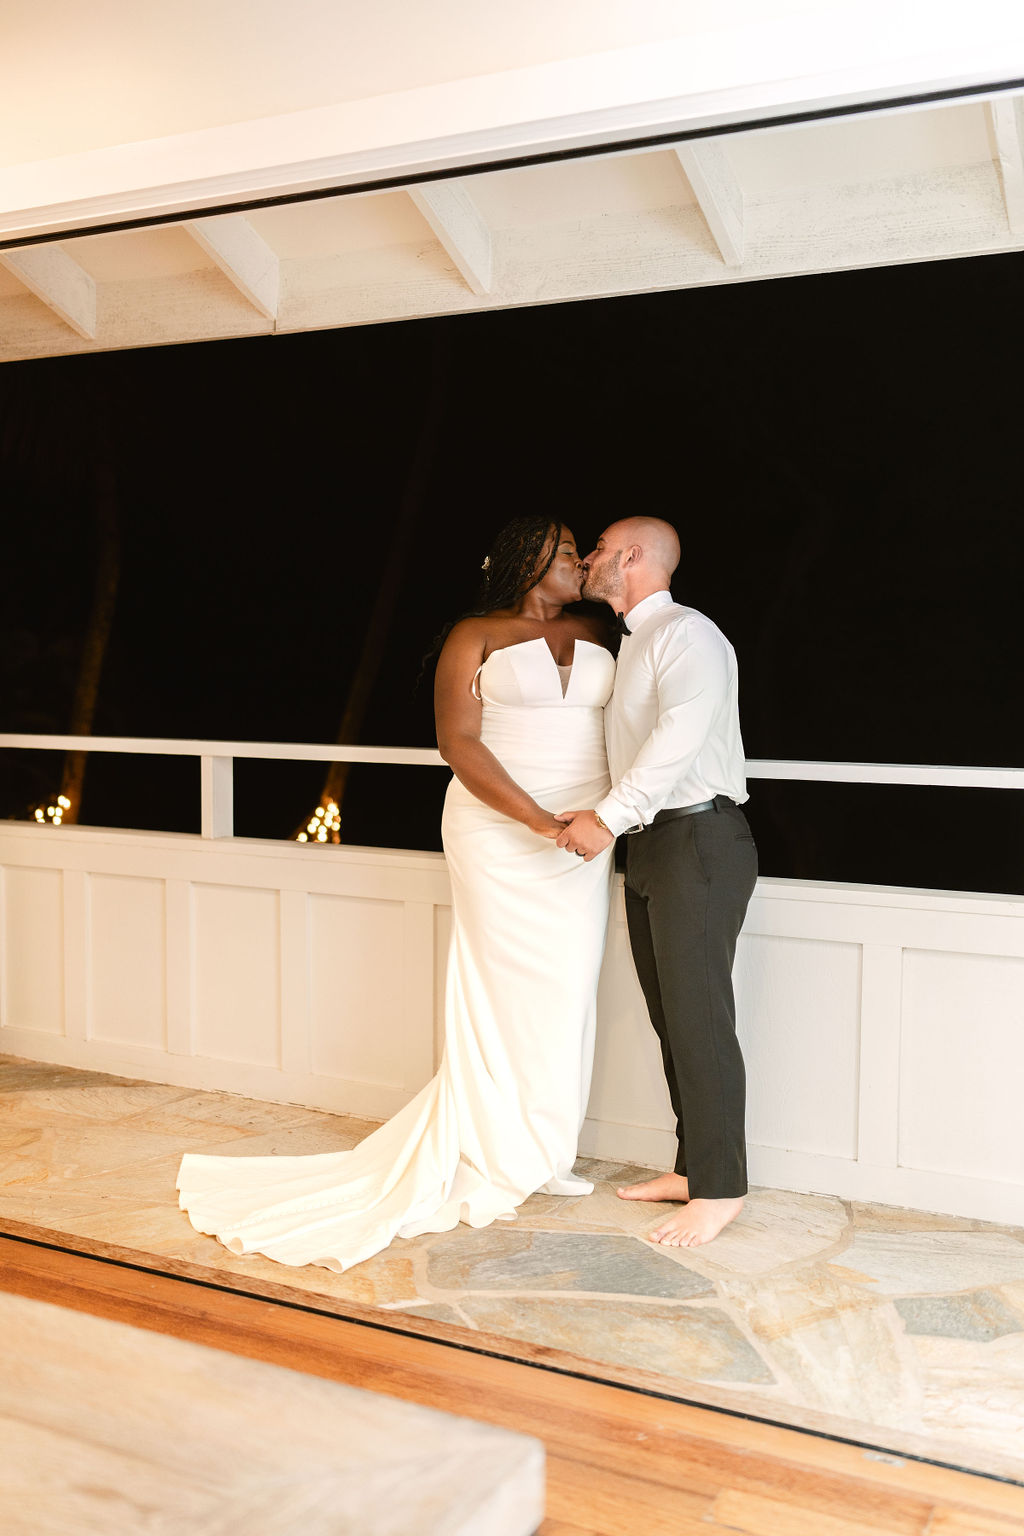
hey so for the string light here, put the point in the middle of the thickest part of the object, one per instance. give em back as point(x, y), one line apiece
point(52, 814)
point(324, 826)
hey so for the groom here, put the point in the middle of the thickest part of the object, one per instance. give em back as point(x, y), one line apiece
point(677, 768)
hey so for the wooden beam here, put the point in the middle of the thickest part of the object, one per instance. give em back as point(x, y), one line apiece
point(56, 278)
point(1007, 117)
point(920, 216)
point(450, 211)
point(243, 256)
point(718, 193)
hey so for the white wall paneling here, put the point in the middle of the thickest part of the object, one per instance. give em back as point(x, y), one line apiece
point(962, 1065)
point(359, 1031)
point(881, 1019)
point(296, 983)
point(883, 1029)
point(237, 973)
point(179, 949)
point(799, 1020)
point(77, 953)
point(33, 949)
point(126, 990)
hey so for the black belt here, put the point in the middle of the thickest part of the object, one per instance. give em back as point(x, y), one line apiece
point(671, 812)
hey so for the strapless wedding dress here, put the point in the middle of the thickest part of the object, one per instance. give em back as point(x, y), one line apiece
point(501, 1118)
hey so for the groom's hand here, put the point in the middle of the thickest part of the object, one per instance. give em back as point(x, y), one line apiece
point(583, 834)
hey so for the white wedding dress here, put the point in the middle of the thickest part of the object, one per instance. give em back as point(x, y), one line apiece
point(501, 1118)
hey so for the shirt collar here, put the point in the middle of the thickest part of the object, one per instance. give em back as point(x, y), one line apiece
point(646, 607)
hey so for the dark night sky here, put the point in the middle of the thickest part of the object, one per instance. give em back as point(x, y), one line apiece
point(838, 452)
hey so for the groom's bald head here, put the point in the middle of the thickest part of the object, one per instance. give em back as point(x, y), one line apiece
point(634, 557)
point(655, 541)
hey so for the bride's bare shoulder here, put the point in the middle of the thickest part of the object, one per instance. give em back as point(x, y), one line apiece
point(475, 637)
point(466, 638)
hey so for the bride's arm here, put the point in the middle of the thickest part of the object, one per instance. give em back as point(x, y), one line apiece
point(458, 713)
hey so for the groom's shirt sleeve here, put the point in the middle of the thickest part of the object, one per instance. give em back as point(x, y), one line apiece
point(673, 691)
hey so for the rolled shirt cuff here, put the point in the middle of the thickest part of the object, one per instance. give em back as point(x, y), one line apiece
point(615, 817)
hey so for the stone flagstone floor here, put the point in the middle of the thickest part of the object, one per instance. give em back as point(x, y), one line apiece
point(896, 1327)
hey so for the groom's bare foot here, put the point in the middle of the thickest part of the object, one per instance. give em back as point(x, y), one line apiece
point(699, 1222)
point(667, 1186)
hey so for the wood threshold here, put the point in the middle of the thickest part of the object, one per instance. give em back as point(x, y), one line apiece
point(696, 1394)
point(619, 1460)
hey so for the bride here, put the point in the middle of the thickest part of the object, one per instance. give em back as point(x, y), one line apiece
point(519, 698)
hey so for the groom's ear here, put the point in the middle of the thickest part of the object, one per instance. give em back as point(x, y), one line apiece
point(634, 555)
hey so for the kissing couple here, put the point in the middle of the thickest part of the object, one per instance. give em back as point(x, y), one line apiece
point(556, 749)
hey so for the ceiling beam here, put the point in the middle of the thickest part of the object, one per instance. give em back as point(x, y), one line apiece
point(449, 209)
point(953, 211)
point(56, 278)
point(1007, 117)
point(718, 193)
point(243, 256)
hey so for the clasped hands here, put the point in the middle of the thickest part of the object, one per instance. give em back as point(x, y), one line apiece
point(583, 834)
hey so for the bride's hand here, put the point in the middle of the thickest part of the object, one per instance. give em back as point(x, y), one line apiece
point(545, 825)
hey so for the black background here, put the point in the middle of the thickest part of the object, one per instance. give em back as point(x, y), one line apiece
point(840, 454)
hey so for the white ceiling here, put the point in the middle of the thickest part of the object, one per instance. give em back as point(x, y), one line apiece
point(76, 76)
point(118, 111)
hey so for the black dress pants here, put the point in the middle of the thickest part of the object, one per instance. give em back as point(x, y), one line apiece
point(688, 882)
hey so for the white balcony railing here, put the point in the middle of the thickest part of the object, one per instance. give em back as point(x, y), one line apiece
point(217, 766)
point(873, 1019)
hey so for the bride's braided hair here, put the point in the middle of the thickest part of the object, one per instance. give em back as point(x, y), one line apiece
point(509, 566)
point(509, 570)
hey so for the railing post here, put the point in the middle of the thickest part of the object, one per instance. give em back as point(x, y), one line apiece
point(218, 794)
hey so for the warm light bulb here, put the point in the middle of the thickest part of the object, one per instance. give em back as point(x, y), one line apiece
point(56, 819)
point(311, 827)
point(39, 815)
point(302, 838)
point(64, 801)
point(319, 810)
point(321, 836)
point(51, 810)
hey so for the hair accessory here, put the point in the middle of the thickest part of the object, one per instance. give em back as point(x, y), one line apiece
point(487, 563)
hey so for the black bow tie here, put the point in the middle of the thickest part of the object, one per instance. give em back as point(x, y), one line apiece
point(620, 624)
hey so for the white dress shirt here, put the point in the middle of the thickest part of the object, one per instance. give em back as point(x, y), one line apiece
point(672, 724)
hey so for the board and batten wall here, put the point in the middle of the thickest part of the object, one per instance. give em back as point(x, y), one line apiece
point(883, 1029)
